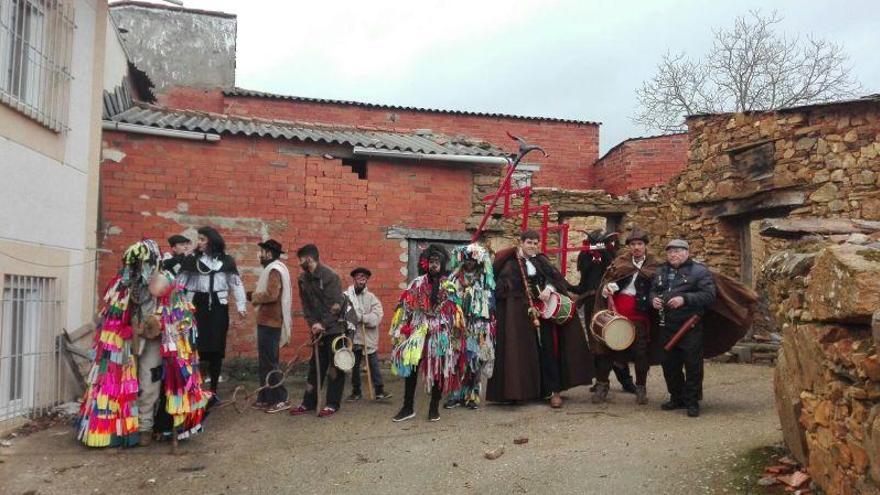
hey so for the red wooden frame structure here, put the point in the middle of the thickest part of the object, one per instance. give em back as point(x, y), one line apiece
point(508, 193)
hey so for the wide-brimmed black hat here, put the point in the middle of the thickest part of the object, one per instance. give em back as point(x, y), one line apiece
point(271, 245)
point(360, 270)
point(177, 239)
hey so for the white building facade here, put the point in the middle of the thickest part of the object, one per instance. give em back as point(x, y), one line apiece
point(51, 82)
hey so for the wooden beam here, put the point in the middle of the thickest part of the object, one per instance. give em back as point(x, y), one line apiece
point(793, 228)
point(762, 202)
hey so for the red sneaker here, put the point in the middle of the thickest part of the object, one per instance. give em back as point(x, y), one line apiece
point(326, 412)
point(299, 410)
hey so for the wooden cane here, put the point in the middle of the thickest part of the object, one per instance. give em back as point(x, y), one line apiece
point(367, 362)
point(319, 391)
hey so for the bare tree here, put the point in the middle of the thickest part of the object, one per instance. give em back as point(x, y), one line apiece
point(749, 67)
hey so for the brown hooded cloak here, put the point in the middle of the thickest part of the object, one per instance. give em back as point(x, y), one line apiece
point(517, 373)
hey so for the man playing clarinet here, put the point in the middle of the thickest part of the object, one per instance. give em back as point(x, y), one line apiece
point(681, 289)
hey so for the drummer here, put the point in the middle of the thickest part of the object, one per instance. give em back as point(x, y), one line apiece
point(627, 283)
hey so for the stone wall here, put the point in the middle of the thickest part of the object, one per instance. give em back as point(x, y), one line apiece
point(827, 377)
point(810, 162)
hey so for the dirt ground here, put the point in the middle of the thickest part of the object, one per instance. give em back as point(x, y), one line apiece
point(613, 448)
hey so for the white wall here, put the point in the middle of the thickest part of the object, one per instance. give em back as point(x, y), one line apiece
point(45, 202)
point(115, 60)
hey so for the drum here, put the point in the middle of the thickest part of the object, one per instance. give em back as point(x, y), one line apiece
point(614, 330)
point(559, 308)
point(343, 356)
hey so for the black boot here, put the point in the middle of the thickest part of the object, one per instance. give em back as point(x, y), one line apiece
point(601, 393)
point(693, 409)
point(434, 407)
point(641, 395)
point(409, 394)
point(624, 377)
point(673, 404)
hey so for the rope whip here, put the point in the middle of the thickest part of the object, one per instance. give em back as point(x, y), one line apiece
point(236, 400)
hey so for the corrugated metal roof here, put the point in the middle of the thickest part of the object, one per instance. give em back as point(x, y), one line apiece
point(260, 94)
point(414, 142)
point(872, 98)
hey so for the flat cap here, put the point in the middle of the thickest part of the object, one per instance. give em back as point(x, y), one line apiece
point(678, 243)
point(177, 239)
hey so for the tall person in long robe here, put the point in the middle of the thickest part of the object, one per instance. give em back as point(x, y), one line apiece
point(533, 362)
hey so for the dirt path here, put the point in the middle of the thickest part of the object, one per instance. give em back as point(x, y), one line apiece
point(613, 448)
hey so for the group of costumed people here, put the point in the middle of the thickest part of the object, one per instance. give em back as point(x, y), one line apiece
point(161, 316)
point(510, 321)
point(517, 322)
point(443, 329)
point(145, 378)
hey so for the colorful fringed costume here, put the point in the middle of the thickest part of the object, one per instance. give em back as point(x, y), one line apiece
point(109, 414)
point(184, 400)
point(474, 282)
point(427, 334)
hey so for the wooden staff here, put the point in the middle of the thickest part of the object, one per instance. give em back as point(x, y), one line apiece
point(532, 311)
point(318, 401)
point(367, 363)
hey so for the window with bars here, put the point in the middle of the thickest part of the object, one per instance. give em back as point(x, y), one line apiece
point(30, 375)
point(36, 38)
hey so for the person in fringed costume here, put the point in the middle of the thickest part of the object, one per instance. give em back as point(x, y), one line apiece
point(474, 282)
point(534, 357)
point(143, 358)
point(427, 333)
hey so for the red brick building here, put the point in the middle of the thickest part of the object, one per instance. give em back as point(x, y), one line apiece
point(369, 184)
point(298, 184)
point(572, 145)
point(638, 163)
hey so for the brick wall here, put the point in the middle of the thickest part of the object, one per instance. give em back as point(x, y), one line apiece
point(640, 163)
point(572, 147)
point(250, 188)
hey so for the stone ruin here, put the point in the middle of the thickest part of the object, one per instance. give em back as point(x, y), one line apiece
point(788, 201)
point(826, 300)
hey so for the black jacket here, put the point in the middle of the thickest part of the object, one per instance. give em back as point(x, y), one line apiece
point(322, 299)
point(692, 281)
point(591, 271)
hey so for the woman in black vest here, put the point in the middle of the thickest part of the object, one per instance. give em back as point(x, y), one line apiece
point(209, 275)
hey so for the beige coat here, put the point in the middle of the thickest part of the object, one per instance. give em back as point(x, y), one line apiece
point(368, 311)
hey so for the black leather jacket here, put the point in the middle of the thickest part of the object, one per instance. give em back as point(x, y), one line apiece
point(692, 281)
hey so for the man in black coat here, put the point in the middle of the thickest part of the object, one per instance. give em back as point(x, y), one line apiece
point(320, 292)
point(682, 288)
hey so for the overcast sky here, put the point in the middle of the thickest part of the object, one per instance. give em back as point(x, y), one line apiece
point(555, 58)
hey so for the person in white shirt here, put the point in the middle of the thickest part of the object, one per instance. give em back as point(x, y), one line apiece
point(627, 282)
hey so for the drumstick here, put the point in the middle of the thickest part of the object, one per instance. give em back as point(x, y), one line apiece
point(611, 305)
